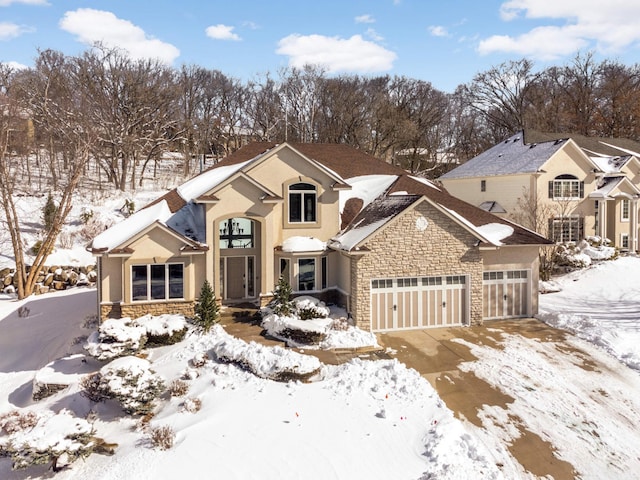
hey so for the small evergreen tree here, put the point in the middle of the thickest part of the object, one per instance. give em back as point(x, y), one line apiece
point(49, 213)
point(207, 310)
point(282, 303)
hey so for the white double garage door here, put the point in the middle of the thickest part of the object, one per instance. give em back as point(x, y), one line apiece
point(440, 301)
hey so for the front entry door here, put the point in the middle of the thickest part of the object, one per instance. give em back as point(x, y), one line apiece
point(238, 278)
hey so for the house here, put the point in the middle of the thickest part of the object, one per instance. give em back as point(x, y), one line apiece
point(564, 188)
point(395, 250)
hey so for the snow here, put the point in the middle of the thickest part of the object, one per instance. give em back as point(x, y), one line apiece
point(495, 232)
point(206, 181)
point(367, 188)
point(425, 181)
point(123, 231)
point(352, 237)
point(303, 244)
point(601, 305)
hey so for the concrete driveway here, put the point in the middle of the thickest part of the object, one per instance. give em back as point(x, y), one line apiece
point(434, 354)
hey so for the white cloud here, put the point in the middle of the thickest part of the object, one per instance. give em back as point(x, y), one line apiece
point(366, 18)
point(15, 65)
point(336, 54)
point(91, 26)
point(609, 26)
point(221, 32)
point(6, 3)
point(438, 31)
point(11, 30)
point(373, 35)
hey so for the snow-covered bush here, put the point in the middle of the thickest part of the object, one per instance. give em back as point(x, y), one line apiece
point(162, 437)
point(294, 331)
point(307, 308)
point(192, 404)
point(116, 338)
point(123, 336)
point(178, 388)
point(163, 329)
point(51, 437)
point(199, 359)
point(17, 420)
point(274, 363)
point(132, 382)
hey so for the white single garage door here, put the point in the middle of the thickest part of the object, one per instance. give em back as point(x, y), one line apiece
point(506, 294)
point(418, 302)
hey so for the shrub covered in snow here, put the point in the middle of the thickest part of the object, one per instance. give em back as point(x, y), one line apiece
point(162, 437)
point(178, 388)
point(123, 336)
point(582, 254)
point(294, 331)
point(129, 380)
point(116, 338)
point(163, 329)
point(274, 363)
point(192, 404)
point(307, 308)
point(38, 438)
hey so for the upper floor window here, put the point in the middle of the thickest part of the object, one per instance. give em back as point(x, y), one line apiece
point(302, 203)
point(483, 185)
point(624, 210)
point(158, 281)
point(566, 187)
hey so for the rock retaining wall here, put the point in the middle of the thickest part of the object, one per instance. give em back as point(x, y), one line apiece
point(51, 278)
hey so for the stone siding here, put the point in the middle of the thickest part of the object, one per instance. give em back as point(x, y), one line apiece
point(135, 310)
point(405, 248)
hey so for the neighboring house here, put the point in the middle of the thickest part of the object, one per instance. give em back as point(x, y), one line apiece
point(564, 188)
point(395, 250)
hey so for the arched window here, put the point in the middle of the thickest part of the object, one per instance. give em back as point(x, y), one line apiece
point(565, 187)
point(237, 233)
point(302, 203)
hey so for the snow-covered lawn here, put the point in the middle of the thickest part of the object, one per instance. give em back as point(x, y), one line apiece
point(600, 304)
point(363, 419)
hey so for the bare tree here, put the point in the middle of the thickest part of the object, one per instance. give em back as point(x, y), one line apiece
point(501, 94)
point(52, 97)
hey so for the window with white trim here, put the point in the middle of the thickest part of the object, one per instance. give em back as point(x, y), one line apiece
point(624, 210)
point(158, 281)
point(566, 229)
point(302, 203)
point(624, 240)
point(306, 274)
point(566, 187)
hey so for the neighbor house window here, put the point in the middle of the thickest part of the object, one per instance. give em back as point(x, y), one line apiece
point(566, 229)
point(302, 203)
point(307, 274)
point(624, 210)
point(624, 241)
point(483, 185)
point(159, 281)
point(566, 187)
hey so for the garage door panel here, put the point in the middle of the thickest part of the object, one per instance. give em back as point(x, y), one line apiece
point(505, 294)
point(418, 302)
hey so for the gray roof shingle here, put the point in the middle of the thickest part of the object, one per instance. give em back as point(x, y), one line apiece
point(512, 156)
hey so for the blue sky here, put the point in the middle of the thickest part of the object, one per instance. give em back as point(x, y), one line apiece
point(445, 42)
